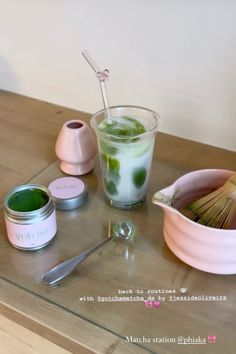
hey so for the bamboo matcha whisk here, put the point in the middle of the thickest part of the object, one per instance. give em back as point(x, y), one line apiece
point(217, 208)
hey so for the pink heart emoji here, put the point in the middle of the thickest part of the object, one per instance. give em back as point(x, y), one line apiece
point(211, 339)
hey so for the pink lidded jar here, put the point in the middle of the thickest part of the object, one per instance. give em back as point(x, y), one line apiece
point(30, 217)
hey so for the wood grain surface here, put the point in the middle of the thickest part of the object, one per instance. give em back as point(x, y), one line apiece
point(17, 339)
point(73, 314)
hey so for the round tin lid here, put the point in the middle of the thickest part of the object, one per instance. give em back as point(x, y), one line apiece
point(68, 192)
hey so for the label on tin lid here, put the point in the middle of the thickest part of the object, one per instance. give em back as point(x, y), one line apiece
point(68, 192)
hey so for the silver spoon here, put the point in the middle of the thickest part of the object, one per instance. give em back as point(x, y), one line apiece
point(123, 230)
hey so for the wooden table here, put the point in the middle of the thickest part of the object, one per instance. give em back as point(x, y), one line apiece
point(79, 315)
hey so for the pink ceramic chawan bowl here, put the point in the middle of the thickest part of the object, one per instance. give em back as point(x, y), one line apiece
point(205, 248)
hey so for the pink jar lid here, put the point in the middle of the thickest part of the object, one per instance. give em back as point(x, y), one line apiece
point(68, 192)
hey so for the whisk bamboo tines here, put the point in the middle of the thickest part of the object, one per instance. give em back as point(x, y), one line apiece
point(217, 208)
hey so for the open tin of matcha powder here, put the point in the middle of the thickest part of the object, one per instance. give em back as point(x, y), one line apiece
point(30, 217)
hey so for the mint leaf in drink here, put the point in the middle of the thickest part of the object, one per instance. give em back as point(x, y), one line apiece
point(136, 127)
point(110, 168)
point(123, 126)
point(107, 148)
point(113, 165)
point(110, 187)
point(139, 176)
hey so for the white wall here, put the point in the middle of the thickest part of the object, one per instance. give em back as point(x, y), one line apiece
point(177, 57)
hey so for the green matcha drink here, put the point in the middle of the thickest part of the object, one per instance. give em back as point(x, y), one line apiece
point(126, 141)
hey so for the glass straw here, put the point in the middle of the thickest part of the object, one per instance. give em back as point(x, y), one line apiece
point(102, 77)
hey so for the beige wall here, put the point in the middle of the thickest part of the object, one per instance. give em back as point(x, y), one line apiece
point(177, 57)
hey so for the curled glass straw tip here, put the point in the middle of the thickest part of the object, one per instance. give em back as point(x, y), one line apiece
point(102, 77)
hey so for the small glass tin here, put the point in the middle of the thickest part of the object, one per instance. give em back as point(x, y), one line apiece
point(30, 217)
point(68, 192)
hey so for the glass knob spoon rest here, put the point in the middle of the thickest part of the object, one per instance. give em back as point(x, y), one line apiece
point(122, 230)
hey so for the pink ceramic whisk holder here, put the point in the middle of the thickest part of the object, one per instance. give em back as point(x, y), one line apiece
point(76, 147)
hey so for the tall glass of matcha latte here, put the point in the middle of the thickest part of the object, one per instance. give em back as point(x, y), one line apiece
point(126, 136)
